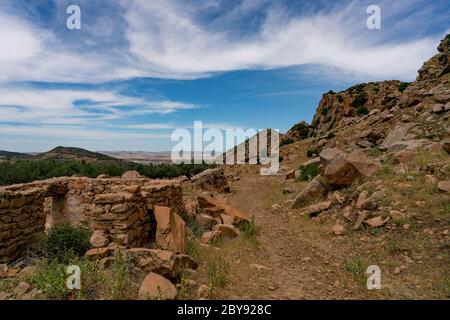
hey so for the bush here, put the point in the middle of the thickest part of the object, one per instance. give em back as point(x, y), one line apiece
point(362, 111)
point(360, 100)
point(66, 240)
point(331, 135)
point(340, 99)
point(402, 86)
point(302, 128)
point(311, 152)
point(357, 88)
point(324, 111)
point(250, 229)
point(286, 141)
point(309, 172)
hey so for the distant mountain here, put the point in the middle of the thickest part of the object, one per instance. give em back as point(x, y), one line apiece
point(72, 153)
point(6, 155)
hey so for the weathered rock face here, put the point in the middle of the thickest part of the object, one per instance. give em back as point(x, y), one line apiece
point(170, 230)
point(117, 210)
point(335, 107)
point(211, 180)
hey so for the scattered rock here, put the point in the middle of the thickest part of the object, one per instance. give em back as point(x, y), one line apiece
point(215, 207)
point(99, 253)
point(317, 208)
point(203, 291)
point(376, 222)
point(152, 260)
point(3, 270)
point(397, 215)
point(444, 186)
point(21, 289)
point(227, 230)
point(156, 287)
point(361, 217)
point(290, 175)
point(226, 219)
point(259, 267)
point(362, 199)
point(275, 208)
point(313, 191)
point(287, 190)
point(438, 108)
point(210, 237)
point(28, 272)
point(99, 239)
point(206, 221)
point(338, 229)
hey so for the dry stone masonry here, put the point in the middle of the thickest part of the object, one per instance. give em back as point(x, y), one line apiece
point(118, 210)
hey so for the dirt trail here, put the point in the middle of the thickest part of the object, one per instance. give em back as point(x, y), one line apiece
point(302, 266)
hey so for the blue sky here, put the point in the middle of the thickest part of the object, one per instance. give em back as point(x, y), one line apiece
point(139, 69)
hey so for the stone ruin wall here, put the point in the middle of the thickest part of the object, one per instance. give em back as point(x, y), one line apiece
point(119, 209)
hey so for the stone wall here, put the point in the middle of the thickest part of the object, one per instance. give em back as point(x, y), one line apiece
point(119, 210)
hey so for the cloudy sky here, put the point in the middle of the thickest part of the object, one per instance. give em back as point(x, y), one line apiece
point(139, 69)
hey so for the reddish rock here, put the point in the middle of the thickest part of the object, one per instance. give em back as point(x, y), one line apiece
point(156, 287)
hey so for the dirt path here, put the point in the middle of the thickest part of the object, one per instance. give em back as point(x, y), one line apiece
point(301, 263)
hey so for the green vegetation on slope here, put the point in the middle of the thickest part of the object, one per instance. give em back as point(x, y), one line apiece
point(24, 171)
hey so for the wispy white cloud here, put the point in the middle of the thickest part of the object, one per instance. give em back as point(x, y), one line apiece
point(166, 39)
point(54, 106)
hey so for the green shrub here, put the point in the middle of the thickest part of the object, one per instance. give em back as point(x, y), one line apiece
point(331, 135)
point(360, 100)
point(250, 229)
point(66, 240)
point(308, 172)
point(286, 141)
point(311, 152)
point(324, 111)
point(355, 265)
point(51, 279)
point(218, 271)
point(357, 88)
point(340, 99)
point(302, 128)
point(362, 111)
point(403, 85)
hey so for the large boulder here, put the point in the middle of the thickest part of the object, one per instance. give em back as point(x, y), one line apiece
point(313, 191)
point(211, 180)
point(341, 169)
point(170, 230)
point(156, 287)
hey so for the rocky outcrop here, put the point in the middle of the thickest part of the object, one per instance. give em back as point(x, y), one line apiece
point(170, 230)
point(211, 180)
